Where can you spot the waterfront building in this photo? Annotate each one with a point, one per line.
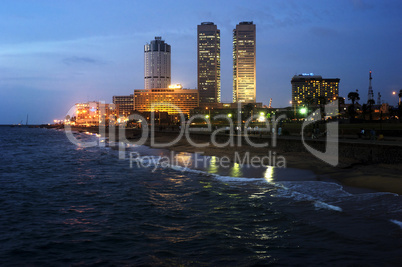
(209, 63)
(124, 104)
(244, 62)
(94, 113)
(157, 64)
(310, 89)
(166, 100)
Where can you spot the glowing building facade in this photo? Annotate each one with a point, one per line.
(209, 63)
(244, 63)
(157, 64)
(94, 113)
(309, 87)
(170, 100)
(124, 104)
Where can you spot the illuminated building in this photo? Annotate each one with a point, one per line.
(244, 65)
(92, 113)
(209, 62)
(124, 104)
(309, 87)
(165, 100)
(157, 64)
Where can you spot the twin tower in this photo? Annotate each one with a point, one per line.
(158, 70)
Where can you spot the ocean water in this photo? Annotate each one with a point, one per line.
(66, 205)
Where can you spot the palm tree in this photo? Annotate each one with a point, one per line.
(400, 96)
(353, 96)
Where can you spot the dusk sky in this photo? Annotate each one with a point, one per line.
(54, 54)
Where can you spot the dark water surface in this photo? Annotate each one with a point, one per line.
(66, 205)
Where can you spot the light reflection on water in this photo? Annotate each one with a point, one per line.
(269, 174)
(213, 165)
(236, 170)
(68, 206)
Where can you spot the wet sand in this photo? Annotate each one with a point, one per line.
(349, 172)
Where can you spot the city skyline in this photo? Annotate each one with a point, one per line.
(51, 61)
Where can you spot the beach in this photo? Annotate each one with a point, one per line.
(352, 172)
(363, 164)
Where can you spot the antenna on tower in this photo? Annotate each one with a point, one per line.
(270, 103)
(370, 90)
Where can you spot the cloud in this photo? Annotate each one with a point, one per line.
(82, 60)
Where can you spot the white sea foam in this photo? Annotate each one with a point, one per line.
(185, 169)
(302, 192)
(237, 179)
(315, 192)
(323, 205)
(216, 176)
(399, 223)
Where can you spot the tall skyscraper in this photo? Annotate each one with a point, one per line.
(244, 72)
(157, 64)
(209, 62)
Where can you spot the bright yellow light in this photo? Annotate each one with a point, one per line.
(269, 174)
(207, 116)
(262, 114)
(394, 93)
(229, 115)
(175, 86)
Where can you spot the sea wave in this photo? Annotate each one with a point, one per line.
(399, 223)
(323, 205)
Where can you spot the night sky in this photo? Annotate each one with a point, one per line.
(54, 54)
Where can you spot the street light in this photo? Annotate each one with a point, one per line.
(262, 117)
(396, 94)
(303, 111)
